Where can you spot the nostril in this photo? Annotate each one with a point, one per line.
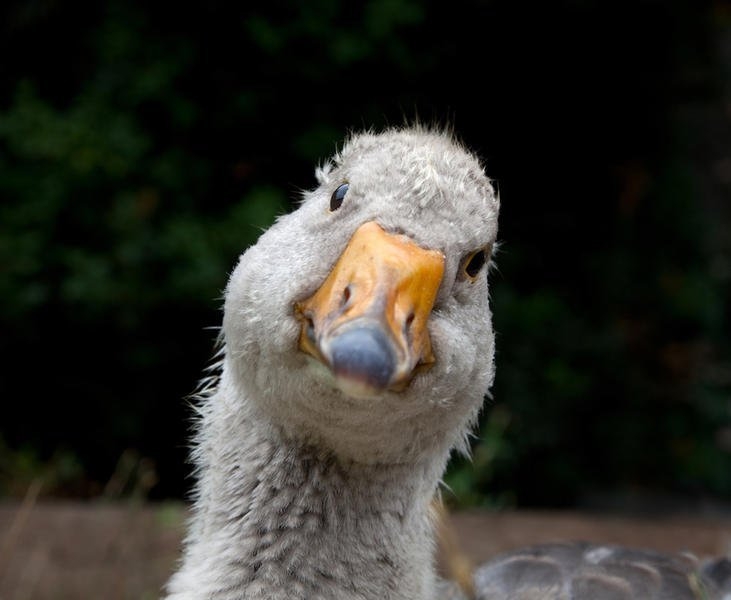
(407, 323)
(310, 328)
(346, 295)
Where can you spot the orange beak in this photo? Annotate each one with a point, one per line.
(368, 320)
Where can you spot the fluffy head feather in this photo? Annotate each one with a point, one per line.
(413, 181)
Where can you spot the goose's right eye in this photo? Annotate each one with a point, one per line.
(472, 263)
(338, 196)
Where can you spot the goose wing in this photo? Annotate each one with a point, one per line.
(582, 571)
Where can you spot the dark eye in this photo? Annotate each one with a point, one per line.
(338, 196)
(474, 262)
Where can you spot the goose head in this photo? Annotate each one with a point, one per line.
(360, 323)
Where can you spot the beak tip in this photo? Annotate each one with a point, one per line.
(362, 354)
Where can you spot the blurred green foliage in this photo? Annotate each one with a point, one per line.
(60, 475)
(142, 149)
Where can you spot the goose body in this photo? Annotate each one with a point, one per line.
(358, 348)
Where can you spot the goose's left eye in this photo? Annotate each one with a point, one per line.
(338, 196)
(473, 263)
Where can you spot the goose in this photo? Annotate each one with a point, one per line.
(357, 349)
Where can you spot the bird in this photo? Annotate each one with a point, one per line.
(356, 352)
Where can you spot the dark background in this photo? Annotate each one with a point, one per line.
(143, 146)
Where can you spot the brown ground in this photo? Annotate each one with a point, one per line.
(118, 551)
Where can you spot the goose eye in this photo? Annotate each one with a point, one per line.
(473, 263)
(338, 196)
